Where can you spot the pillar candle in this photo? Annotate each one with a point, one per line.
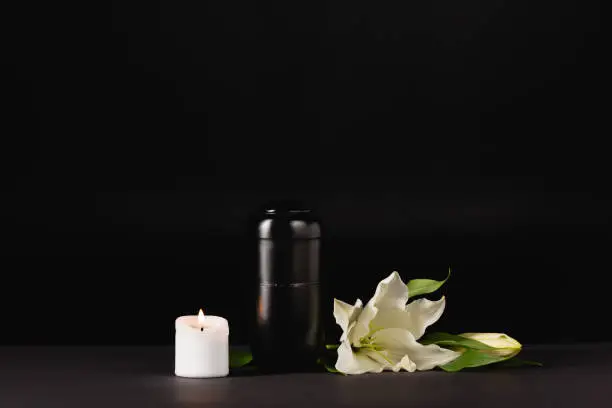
(201, 346)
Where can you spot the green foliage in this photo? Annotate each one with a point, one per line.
(517, 362)
(473, 353)
(328, 358)
(417, 287)
(453, 341)
(472, 358)
(240, 358)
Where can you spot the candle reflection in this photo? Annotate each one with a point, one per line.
(188, 392)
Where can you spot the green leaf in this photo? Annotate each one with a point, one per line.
(329, 367)
(328, 358)
(240, 358)
(517, 362)
(472, 358)
(453, 341)
(418, 287)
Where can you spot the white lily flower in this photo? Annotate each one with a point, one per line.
(504, 345)
(383, 334)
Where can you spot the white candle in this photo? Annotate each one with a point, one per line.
(201, 347)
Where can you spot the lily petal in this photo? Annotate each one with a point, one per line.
(391, 293)
(399, 343)
(346, 314)
(355, 363)
(497, 340)
(504, 345)
(417, 316)
(406, 363)
(361, 327)
(424, 313)
(382, 357)
(398, 319)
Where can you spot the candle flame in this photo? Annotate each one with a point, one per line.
(201, 317)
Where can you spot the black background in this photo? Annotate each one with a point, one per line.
(428, 134)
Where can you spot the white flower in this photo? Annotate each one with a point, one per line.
(504, 345)
(383, 334)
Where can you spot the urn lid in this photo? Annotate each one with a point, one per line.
(288, 220)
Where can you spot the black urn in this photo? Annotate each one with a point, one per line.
(286, 328)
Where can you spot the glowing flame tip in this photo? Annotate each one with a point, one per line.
(200, 316)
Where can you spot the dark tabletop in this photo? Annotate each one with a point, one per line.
(573, 376)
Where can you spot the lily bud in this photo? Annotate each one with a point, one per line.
(504, 345)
